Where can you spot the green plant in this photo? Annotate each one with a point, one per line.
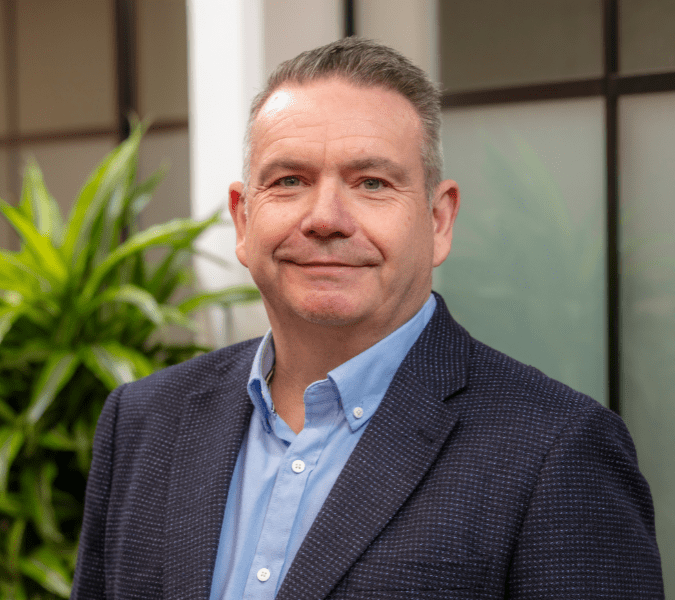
(81, 311)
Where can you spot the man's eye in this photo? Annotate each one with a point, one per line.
(373, 184)
(289, 181)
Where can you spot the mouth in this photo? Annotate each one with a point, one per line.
(327, 268)
(324, 264)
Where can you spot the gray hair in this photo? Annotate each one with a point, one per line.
(364, 63)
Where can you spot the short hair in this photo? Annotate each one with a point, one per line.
(364, 63)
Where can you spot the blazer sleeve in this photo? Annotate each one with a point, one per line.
(589, 528)
(89, 579)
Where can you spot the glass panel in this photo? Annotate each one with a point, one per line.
(526, 274)
(66, 165)
(646, 36)
(66, 64)
(493, 43)
(647, 143)
(162, 59)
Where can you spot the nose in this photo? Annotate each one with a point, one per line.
(328, 215)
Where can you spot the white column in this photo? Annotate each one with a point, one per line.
(225, 45)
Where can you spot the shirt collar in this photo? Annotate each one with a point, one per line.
(361, 381)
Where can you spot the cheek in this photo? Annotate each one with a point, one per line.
(266, 233)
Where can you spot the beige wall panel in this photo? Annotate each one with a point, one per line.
(3, 77)
(66, 64)
(646, 36)
(294, 26)
(162, 59)
(67, 165)
(409, 26)
(172, 197)
(493, 43)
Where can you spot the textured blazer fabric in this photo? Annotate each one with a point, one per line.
(477, 477)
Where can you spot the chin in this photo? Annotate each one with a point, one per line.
(329, 311)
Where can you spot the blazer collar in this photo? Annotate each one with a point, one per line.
(400, 444)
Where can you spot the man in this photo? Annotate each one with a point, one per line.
(367, 447)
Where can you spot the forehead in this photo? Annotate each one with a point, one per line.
(335, 115)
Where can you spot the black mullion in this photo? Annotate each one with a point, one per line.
(349, 26)
(125, 47)
(580, 88)
(611, 59)
(554, 90)
(645, 83)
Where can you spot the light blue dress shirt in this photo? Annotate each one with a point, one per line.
(281, 479)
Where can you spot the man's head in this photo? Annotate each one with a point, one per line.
(364, 63)
(338, 224)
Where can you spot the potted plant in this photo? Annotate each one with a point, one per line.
(81, 311)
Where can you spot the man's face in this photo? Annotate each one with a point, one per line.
(337, 230)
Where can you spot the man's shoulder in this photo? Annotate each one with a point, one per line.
(500, 393)
(228, 366)
(518, 402)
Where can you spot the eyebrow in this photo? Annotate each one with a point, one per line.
(283, 164)
(378, 163)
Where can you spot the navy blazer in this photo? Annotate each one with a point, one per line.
(477, 477)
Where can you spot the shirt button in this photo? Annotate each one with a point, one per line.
(263, 574)
(298, 466)
(358, 412)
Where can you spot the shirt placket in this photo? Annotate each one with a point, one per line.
(294, 469)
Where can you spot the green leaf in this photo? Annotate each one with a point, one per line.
(176, 233)
(142, 193)
(50, 259)
(37, 494)
(56, 373)
(225, 297)
(10, 444)
(38, 204)
(115, 364)
(46, 568)
(10, 504)
(8, 314)
(31, 351)
(112, 177)
(138, 297)
(83, 444)
(20, 277)
(57, 439)
(14, 543)
(6, 412)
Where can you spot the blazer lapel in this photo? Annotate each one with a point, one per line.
(396, 450)
(210, 434)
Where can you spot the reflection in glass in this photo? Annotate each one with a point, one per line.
(647, 143)
(526, 273)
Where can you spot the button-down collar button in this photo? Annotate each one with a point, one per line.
(358, 412)
(263, 574)
(298, 466)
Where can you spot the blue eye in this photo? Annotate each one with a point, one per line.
(372, 184)
(290, 181)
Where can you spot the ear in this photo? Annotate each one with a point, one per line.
(237, 205)
(445, 208)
